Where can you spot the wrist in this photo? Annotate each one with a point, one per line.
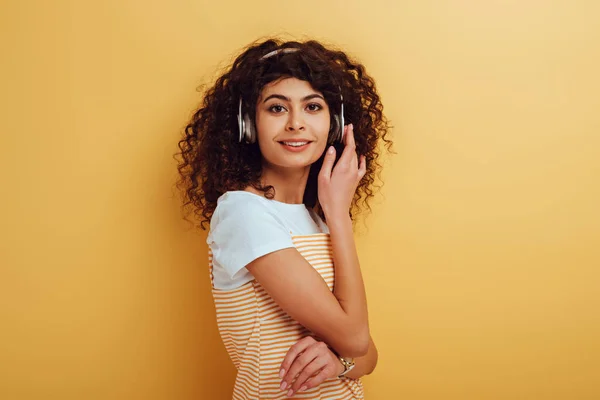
(338, 219)
(340, 368)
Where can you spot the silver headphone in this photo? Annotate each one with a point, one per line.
(248, 130)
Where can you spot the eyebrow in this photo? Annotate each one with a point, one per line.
(282, 97)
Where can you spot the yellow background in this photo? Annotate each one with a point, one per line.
(481, 256)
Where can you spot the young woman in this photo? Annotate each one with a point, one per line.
(279, 158)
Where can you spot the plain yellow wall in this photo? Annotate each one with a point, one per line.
(481, 257)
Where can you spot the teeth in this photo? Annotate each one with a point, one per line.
(295, 144)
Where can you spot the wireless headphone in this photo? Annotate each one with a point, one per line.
(248, 130)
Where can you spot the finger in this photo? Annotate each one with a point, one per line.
(299, 364)
(328, 162)
(350, 147)
(350, 138)
(300, 346)
(311, 369)
(362, 168)
(316, 380)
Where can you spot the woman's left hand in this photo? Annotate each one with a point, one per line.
(312, 362)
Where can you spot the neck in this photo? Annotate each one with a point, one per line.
(289, 183)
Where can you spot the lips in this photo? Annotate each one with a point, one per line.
(295, 145)
(297, 141)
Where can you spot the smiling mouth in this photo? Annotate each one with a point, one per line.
(295, 143)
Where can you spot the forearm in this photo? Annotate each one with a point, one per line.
(349, 287)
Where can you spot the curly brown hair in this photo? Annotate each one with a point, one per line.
(212, 161)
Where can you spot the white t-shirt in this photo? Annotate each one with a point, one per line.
(246, 226)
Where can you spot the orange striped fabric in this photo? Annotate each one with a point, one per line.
(257, 333)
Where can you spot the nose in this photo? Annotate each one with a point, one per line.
(295, 122)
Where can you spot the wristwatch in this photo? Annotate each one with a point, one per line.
(348, 364)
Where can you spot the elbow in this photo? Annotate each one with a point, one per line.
(374, 359)
(356, 345)
(361, 349)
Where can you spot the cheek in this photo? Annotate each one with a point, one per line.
(321, 146)
(321, 126)
(266, 128)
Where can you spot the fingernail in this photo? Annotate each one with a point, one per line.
(290, 392)
(303, 388)
(330, 150)
(281, 373)
(283, 385)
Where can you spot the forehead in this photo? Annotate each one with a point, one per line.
(290, 87)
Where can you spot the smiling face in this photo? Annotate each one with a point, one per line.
(292, 122)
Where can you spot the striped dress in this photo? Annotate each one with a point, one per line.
(257, 333)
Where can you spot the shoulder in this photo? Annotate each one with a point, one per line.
(241, 200)
(244, 227)
(243, 206)
(242, 213)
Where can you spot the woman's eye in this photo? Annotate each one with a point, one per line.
(314, 107)
(276, 108)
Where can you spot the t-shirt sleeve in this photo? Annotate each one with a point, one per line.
(242, 230)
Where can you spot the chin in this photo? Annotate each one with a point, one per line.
(296, 162)
(289, 164)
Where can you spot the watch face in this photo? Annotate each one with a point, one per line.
(349, 361)
(348, 364)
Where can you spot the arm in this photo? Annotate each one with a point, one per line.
(349, 287)
(303, 294)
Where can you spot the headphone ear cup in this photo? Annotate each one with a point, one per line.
(249, 130)
(335, 130)
(240, 121)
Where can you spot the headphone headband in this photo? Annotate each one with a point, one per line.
(282, 50)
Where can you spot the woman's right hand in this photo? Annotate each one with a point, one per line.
(337, 188)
